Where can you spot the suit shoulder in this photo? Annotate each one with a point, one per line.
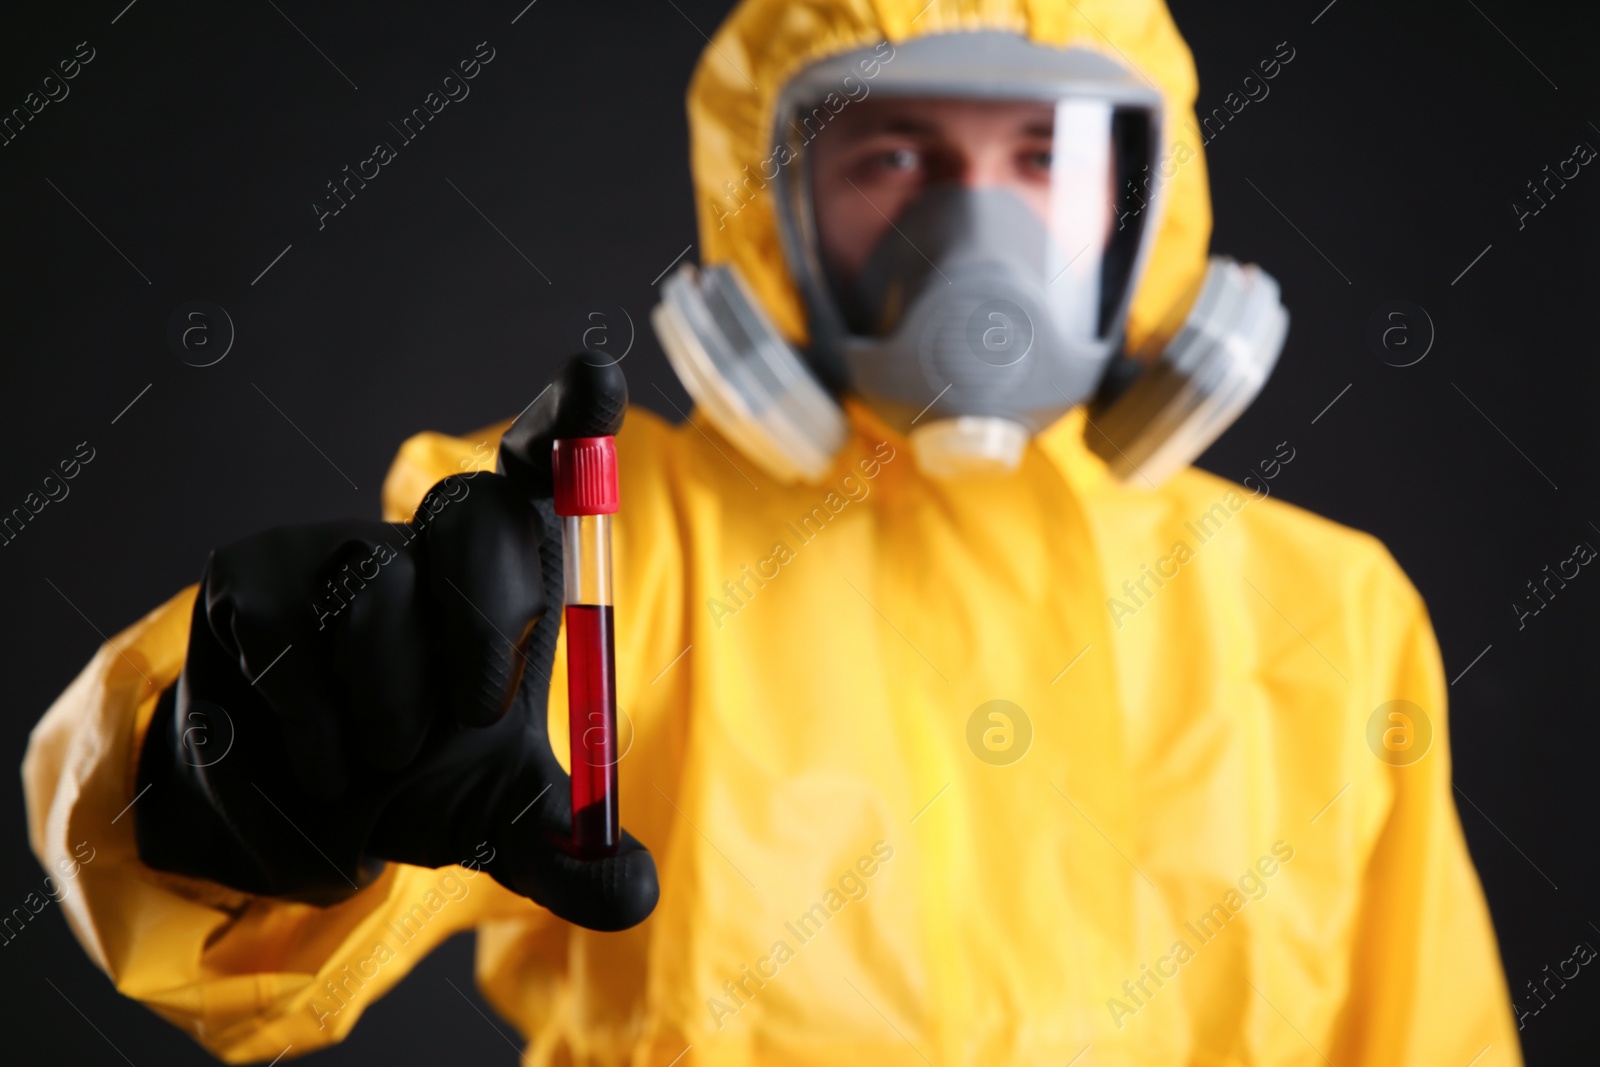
(1286, 543)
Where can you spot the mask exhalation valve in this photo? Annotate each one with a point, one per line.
(968, 445)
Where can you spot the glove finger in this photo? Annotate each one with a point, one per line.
(609, 893)
(530, 833)
(485, 579)
(588, 398)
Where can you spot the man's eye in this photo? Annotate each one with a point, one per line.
(898, 159)
(1037, 160)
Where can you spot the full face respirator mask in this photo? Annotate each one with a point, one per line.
(966, 246)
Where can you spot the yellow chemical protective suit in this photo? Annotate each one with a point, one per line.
(1197, 858)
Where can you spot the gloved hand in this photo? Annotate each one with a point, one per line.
(357, 692)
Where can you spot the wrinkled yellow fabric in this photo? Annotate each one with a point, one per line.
(814, 726)
(843, 878)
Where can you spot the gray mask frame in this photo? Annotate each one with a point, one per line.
(903, 374)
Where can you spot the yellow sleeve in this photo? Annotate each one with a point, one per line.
(1427, 985)
(246, 976)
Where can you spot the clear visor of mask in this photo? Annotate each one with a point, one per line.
(965, 216)
(1008, 211)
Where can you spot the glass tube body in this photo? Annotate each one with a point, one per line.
(591, 684)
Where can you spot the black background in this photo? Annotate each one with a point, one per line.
(200, 135)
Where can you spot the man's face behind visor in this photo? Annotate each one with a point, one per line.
(878, 156)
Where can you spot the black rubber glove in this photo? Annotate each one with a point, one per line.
(357, 692)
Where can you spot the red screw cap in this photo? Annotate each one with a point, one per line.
(585, 476)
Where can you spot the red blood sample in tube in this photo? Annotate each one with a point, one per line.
(586, 497)
(591, 719)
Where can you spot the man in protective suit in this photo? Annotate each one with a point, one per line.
(964, 721)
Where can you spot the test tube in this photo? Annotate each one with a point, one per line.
(585, 471)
